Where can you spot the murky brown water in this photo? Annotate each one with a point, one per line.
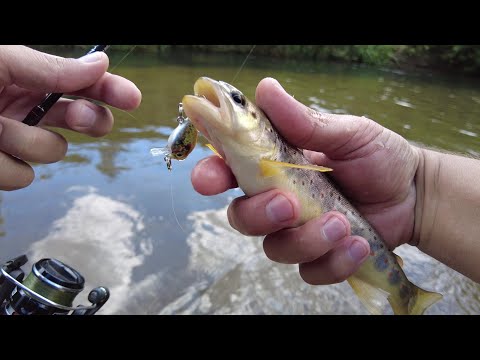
(118, 216)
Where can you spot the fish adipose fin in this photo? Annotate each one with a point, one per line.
(271, 167)
(374, 299)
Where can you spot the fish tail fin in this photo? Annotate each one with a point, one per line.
(421, 300)
(373, 298)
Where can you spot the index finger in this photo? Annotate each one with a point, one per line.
(113, 90)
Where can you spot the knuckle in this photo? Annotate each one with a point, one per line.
(300, 242)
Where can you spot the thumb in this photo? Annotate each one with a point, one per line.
(335, 135)
(38, 71)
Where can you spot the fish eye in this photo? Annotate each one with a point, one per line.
(238, 97)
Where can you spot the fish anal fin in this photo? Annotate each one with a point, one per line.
(273, 167)
(374, 299)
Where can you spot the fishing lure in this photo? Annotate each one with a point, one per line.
(181, 141)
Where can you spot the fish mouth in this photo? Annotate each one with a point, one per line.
(205, 109)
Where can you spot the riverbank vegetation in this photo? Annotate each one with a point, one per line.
(463, 59)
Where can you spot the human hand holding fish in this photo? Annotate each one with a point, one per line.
(383, 176)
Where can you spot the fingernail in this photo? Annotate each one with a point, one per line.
(279, 209)
(357, 250)
(86, 117)
(334, 229)
(90, 58)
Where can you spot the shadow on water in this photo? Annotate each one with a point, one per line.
(116, 214)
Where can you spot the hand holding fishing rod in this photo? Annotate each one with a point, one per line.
(39, 111)
(25, 76)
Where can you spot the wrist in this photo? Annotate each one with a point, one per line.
(426, 181)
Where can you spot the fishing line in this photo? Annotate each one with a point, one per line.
(111, 71)
(121, 60)
(173, 208)
(244, 61)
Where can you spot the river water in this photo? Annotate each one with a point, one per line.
(115, 213)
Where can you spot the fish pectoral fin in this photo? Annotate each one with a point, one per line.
(211, 147)
(273, 167)
(399, 260)
(374, 299)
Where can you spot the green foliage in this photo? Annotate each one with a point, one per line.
(458, 58)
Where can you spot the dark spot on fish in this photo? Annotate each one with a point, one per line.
(381, 262)
(338, 198)
(313, 196)
(404, 291)
(394, 277)
(254, 114)
(311, 182)
(370, 229)
(303, 183)
(271, 130)
(375, 237)
(331, 193)
(294, 182)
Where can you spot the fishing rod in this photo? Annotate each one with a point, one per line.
(39, 111)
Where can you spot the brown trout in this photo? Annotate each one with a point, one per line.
(262, 160)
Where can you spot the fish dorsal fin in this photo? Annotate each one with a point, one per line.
(399, 260)
(272, 167)
(211, 147)
(374, 299)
